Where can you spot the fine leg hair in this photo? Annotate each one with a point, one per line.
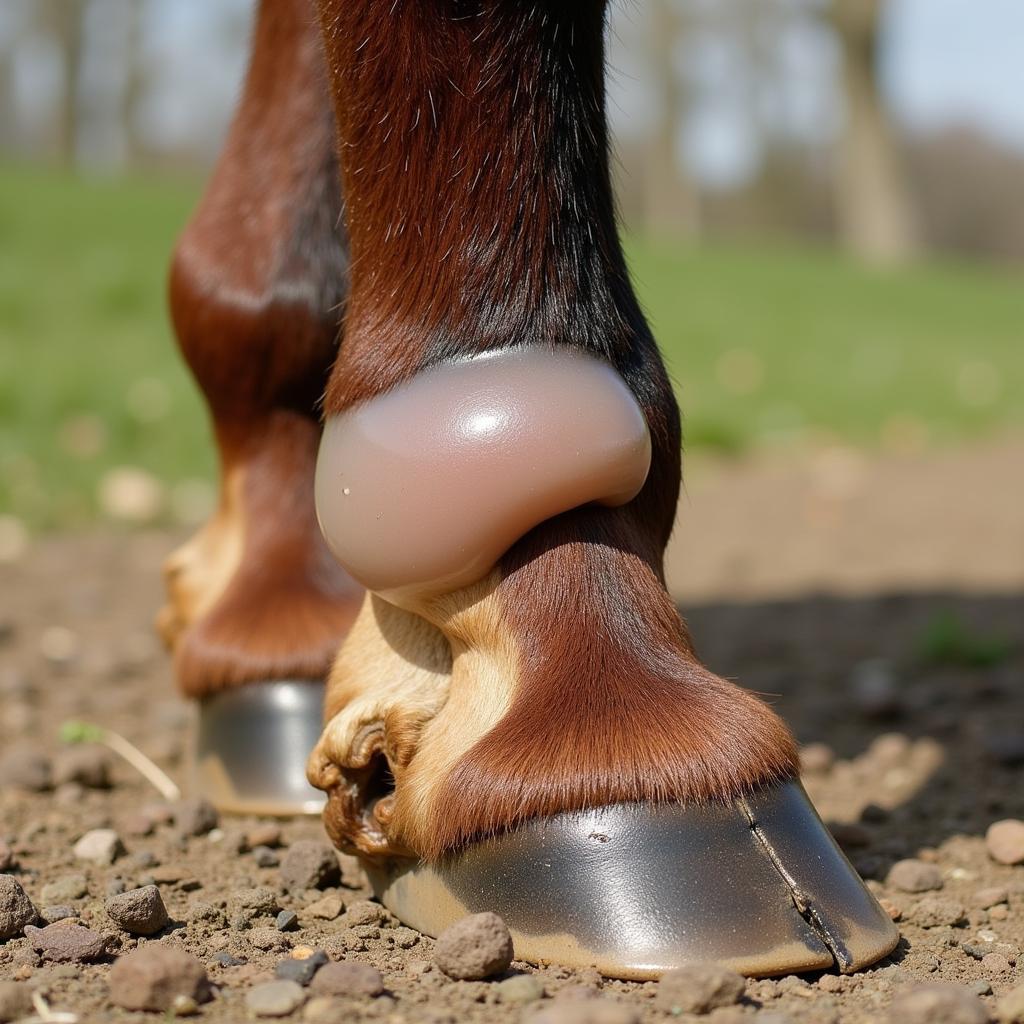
(473, 147)
(258, 280)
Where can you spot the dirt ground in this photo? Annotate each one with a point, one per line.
(895, 652)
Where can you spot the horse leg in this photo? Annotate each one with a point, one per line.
(257, 607)
(502, 427)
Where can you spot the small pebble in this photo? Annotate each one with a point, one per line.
(937, 1003)
(326, 909)
(1005, 841)
(153, 977)
(138, 911)
(7, 859)
(275, 998)
(309, 864)
(301, 971)
(474, 948)
(268, 835)
(99, 846)
(16, 909)
(519, 989)
(51, 915)
(227, 960)
(937, 911)
(995, 963)
(347, 978)
(65, 889)
(195, 817)
(286, 921)
(365, 912)
(68, 943)
(699, 988)
(265, 857)
(985, 899)
(914, 876)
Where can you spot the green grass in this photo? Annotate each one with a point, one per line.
(782, 343)
(768, 344)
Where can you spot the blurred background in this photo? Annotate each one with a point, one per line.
(823, 203)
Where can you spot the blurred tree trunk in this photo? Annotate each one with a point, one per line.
(671, 201)
(873, 202)
(62, 20)
(134, 80)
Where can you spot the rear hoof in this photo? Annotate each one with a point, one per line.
(251, 745)
(758, 885)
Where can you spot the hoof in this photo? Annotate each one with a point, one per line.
(758, 885)
(251, 747)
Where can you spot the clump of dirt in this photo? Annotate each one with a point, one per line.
(925, 752)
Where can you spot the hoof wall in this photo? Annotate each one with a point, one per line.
(758, 885)
(251, 747)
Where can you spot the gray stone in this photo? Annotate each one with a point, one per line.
(914, 876)
(301, 971)
(309, 864)
(195, 817)
(153, 977)
(478, 946)
(138, 911)
(275, 998)
(286, 921)
(699, 988)
(16, 909)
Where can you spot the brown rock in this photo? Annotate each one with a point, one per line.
(138, 911)
(326, 909)
(26, 768)
(937, 1003)
(476, 947)
(68, 943)
(347, 978)
(16, 909)
(1005, 841)
(152, 978)
(699, 988)
(985, 899)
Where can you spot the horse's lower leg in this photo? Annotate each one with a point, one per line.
(256, 285)
(473, 150)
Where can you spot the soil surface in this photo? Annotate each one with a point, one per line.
(908, 700)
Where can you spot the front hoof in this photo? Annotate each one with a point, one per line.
(757, 884)
(251, 746)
